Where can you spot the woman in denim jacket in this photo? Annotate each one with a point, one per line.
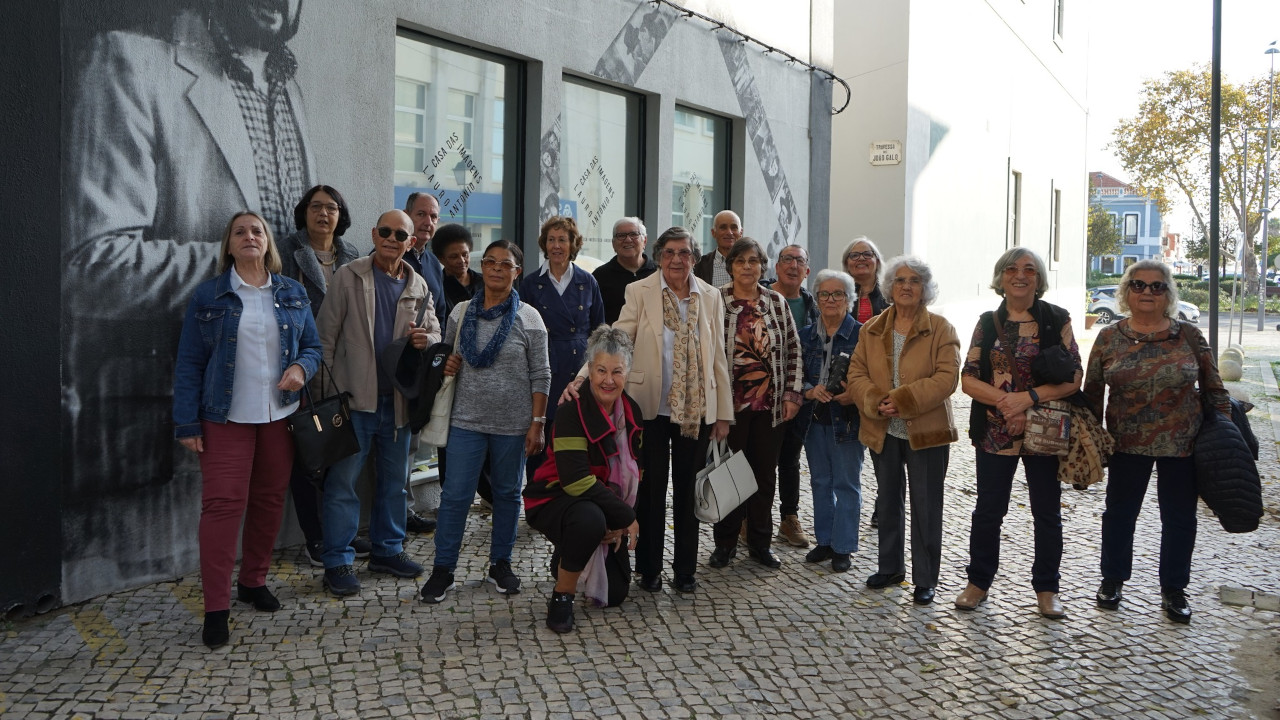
(830, 428)
(248, 345)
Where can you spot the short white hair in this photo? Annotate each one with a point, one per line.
(850, 287)
(917, 266)
(631, 221)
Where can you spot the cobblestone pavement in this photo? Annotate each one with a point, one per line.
(799, 642)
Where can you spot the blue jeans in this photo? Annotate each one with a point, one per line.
(1127, 478)
(467, 453)
(835, 471)
(341, 506)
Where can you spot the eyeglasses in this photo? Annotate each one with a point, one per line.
(1157, 287)
(1012, 270)
(626, 236)
(748, 261)
(329, 208)
(503, 264)
(789, 259)
(668, 253)
(385, 232)
(831, 295)
(864, 255)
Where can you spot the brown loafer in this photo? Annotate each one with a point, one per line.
(971, 598)
(1050, 606)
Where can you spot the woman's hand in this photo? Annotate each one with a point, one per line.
(533, 441)
(452, 365)
(417, 336)
(1016, 425)
(194, 444)
(819, 393)
(293, 379)
(1014, 404)
(570, 391)
(720, 430)
(627, 535)
(789, 410)
(633, 534)
(887, 407)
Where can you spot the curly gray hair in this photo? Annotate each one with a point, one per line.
(917, 266)
(610, 341)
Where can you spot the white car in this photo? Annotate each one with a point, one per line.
(1102, 302)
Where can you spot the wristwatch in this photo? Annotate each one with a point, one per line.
(540, 419)
(1035, 397)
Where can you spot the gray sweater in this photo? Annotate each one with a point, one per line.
(498, 400)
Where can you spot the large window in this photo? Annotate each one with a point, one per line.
(453, 126)
(601, 142)
(699, 172)
(1130, 232)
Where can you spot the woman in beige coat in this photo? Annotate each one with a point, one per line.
(904, 369)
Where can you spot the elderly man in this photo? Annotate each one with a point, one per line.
(628, 265)
(726, 228)
(793, 268)
(371, 302)
(424, 210)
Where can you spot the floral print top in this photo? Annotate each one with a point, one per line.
(751, 348)
(1153, 405)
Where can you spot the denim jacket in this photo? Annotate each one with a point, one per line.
(206, 364)
(844, 418)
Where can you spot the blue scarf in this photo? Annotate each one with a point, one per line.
(471, 323)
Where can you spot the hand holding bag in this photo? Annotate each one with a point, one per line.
(322, 431)
(1048, 430)
(724, 484)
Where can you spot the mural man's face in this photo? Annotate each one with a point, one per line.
(261, 24)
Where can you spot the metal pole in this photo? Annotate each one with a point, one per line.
(1266, 184)
(1215, 142)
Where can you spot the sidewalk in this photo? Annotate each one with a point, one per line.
(799, 642)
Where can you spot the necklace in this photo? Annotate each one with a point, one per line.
(1137, 336)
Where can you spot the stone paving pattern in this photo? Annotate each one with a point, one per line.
(800, 642)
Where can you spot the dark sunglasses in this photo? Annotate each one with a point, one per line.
(385, 232)
(1157, 287)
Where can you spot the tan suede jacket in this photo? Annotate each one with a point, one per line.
(929, 370)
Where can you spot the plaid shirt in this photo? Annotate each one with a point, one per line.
(278, 161)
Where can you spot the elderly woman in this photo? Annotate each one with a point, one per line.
(311, 256)
(248, 345)
(582, 497)
(862, 260)
(1151, 364)
(499, 409)
(1006, 375)
(904, 370)
(830, 429)
(569, 301)
(764, 358)
(680, 379)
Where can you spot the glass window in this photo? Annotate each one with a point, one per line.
(600, 174)
(699, 173)
(1130, 233)
(451, 132)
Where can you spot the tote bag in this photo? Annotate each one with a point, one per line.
(724, 484)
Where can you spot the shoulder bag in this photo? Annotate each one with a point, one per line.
(1048, 430)
(724, 484)
(322, 431)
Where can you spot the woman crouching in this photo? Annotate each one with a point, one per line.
(583, 495)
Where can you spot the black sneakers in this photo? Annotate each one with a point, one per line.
(438, 585)
(502, 578)
(560, 612)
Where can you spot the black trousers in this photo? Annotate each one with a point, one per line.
(666, 449)
(923, 471)
(789, 469)
(576, 527)
(995, 484)
(753, 433)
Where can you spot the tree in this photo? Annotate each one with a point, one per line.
(1104, 236)
(1165, 150)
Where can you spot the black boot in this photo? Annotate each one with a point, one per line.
(560, 612)
(215, 632)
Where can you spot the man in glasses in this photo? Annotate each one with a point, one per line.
(793, 269)
(726, 228)
(628, 265)
(371, 302)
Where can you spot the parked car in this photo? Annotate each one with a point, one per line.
(1102, 302)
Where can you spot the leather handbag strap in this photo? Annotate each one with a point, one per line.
(1013, 366)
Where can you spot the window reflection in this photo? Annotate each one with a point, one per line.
(699, 172)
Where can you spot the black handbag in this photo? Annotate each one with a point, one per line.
(322, 431)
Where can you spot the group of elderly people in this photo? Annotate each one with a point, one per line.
(684, 364)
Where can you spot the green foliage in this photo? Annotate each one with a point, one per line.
(1104, 236)
(1097, 277)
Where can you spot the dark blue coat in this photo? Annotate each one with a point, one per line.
(570, 318)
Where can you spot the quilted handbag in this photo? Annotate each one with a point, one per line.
(322, 431)
(724, 484)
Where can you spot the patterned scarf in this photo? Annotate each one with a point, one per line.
(685, 397)
(624, 481)
(471, 323)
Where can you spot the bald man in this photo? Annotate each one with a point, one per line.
(370, 302)
(726, 229)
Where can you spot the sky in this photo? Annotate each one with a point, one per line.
(1134, 40)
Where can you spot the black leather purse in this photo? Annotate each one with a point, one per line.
(322, 431)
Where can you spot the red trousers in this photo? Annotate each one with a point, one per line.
(245, 470)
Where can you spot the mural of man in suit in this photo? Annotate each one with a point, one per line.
(167, 137)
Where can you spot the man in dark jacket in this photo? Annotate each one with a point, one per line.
(726, 228)
(628, 265)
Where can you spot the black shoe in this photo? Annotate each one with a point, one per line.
(261, 597)
(1174, 602)
(880, 580)
(361, 546)
(560, 612)
(818, 554)
(922, 595)
(438, 585)
(415, 523)
(685, 583)
(840, 562)
(315, 554)
(215, 632)
(766, 558)
(400, 565)
(652, 583)
(720, 557)
(875, 518)
(1108, 594)
(503, 578)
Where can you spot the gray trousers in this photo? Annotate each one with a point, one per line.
(897, 465)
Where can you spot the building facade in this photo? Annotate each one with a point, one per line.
(140, 134)
(1137, 219)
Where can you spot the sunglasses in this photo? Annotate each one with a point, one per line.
(385, 232)
(1157, 287)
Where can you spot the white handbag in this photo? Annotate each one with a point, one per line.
(436, 431)
(724, 484)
